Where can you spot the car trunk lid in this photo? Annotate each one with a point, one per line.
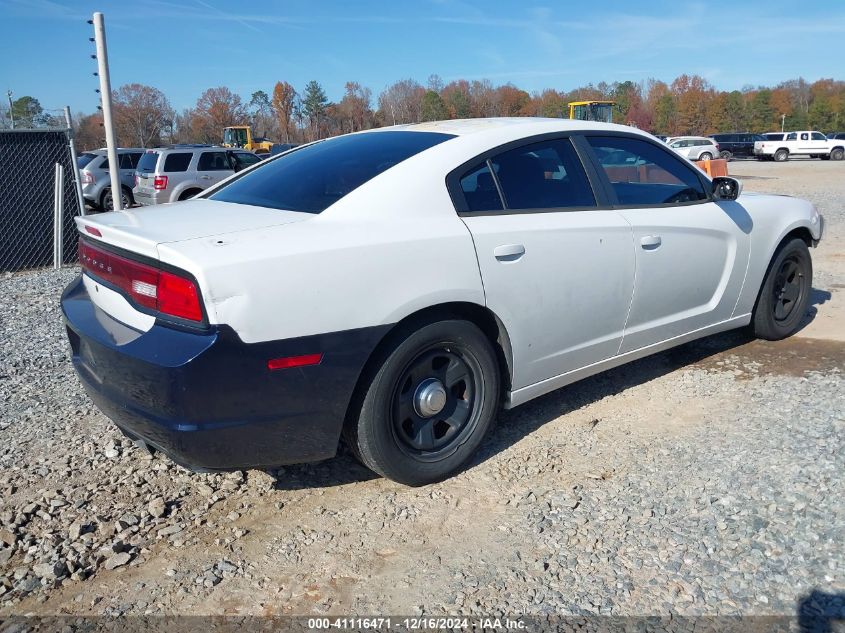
(142, 230)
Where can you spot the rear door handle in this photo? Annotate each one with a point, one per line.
(509, 252)
(650, 242)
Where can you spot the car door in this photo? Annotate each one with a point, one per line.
(557, 271)
(691, 252)
(819, 143)
(212, 167)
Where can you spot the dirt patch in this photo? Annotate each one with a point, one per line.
(794, 356)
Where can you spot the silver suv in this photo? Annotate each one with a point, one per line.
(95, 179)
(694, 147)
(179, 172)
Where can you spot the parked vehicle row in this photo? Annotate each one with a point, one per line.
(153, 176)
(509, 257)
(778, 146)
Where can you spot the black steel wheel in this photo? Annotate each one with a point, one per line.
(433, 397)
(785, 294)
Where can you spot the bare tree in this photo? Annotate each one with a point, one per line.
(141, 114)
(402, 102)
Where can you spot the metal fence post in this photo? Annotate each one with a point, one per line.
(58, 217)
(74, 164)
(105, 96)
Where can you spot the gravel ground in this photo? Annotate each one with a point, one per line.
(705, 480)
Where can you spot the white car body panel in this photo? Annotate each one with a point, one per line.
(584, 297)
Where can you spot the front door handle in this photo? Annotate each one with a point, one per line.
(650, 242)
(509, 252)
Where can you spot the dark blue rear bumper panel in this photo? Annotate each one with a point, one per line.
(206, 398)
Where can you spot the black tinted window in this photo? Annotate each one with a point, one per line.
(177, 162)
(242, 159)
(544, 175)
(147, 162)
(642, 174)
(129, 161)
(214, 161)
(314, 177)
(480, 190)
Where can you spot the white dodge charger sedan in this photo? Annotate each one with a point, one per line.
(396, 287)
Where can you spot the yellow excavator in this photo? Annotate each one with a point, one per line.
(241, 136)
(601, 111)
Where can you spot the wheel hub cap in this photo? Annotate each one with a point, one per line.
(429, 398)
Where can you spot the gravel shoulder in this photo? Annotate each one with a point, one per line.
(704, 480)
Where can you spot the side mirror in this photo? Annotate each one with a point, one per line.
(725, 188)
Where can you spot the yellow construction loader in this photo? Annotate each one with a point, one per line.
(241, 136)
(601, 111)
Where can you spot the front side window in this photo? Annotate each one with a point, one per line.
(545, 175)
(242, 160)
(818, 136)
(642, 174)
(177, 162)
(213, 161)
(313, 178)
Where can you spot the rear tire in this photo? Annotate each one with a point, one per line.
(431, 402)
(781, 155)
(725, 154)
(107, 204)
(837, 154)
(785, 293)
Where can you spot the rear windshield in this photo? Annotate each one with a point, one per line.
(313, 178)
(148, 161)
(84, 159)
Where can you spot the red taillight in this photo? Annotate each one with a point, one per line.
(150, 287)
(136, 179)
(159, 183)
(288, 362)
(93, 231)
(87, 178)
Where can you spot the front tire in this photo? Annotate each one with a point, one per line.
(785, 293)
(432, 400)
(726, 155)
(706, 156)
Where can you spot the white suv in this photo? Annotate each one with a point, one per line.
(694, 147)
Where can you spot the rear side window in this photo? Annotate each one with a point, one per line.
(642, 174)
(480, 191)
(129, 161)
(314, 177)
(177, 162)
(148, 161)
(792, 136)
(213, 161)
(545, 175)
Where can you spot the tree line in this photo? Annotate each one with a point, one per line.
(144, 117)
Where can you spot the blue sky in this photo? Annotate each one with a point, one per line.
(186, 46)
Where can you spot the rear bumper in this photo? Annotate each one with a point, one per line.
(207, 399)
(147, 197)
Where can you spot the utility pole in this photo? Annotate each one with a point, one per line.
(105, 96)
(11, 111)
(782, 122)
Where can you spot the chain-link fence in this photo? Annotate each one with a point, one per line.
(27, 179)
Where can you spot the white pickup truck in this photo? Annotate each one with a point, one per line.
(808, 143)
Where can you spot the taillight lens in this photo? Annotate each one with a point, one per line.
(87, 178)
(160, 290)
(136, 180)
(159, 183)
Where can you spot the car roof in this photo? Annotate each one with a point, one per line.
(518, 125)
